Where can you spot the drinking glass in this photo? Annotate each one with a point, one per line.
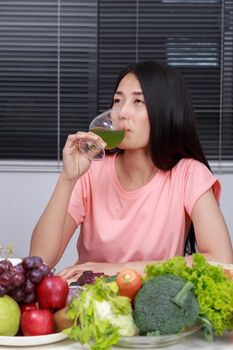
(109, 127)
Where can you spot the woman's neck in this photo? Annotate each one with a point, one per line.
(134, 169)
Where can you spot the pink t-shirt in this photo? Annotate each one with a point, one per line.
(150, 223)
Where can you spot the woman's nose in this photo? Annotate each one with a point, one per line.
(123, 113)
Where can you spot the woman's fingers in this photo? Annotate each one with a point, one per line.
(72, 272)
(75, 138)
(75, 271)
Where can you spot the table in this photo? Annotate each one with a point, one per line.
(194, 342)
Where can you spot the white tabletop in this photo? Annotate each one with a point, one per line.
(193, 342)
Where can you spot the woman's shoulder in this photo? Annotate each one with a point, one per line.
(195, 173)
(190, 165)
(188, 169)
(195, 178)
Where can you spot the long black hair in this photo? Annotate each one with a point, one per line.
(173, 129)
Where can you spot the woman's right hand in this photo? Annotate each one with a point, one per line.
(75, 164)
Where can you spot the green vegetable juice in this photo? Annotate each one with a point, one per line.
(112, 137)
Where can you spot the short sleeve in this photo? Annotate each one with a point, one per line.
(198, 180)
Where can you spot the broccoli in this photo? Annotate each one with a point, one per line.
(165, 305)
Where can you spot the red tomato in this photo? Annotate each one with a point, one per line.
(129, 282)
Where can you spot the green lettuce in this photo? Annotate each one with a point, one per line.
(100, 316)
(214, 291)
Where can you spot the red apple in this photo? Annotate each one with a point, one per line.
(52, 293)
(37, 322)
(27, 307)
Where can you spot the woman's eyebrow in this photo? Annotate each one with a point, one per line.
(137, 93)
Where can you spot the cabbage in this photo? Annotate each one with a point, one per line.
(100, 316)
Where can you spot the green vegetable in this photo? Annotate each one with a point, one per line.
(165, 305)
(111, 278)
(214, 291)
(100, 316)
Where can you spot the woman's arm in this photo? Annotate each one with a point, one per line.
(55, 227)
(212, 236)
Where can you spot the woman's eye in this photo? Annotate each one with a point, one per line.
(139, 101)
(116, 100)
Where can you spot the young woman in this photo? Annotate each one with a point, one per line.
(153, 199)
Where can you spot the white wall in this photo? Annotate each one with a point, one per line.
(226, 200)
(23, 197)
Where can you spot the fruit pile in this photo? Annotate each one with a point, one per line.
(30, 297)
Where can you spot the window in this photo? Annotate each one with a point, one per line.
(189, 52)
(59, 61)
(48, 69)
(196, 37)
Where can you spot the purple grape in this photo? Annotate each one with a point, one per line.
(5, 279)
(9, 288)
(5, 265)
(30, 298)
(35, 276)
(44, 268)
(87, 277)
(18, 279)
(3, 291)
(18, 294)
(31, 262)
(2, 267)
(18, 268)
(28, 287)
